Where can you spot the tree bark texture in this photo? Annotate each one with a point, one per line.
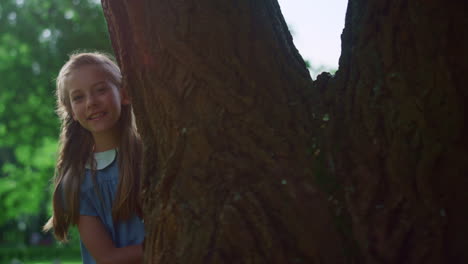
(219, 96)
(248, 161)
(396, 136)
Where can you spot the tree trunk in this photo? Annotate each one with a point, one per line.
(247, 161)
(396, 130)
(218, 91)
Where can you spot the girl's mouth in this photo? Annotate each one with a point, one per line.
(96, 116)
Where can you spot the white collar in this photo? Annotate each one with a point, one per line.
(103, 159)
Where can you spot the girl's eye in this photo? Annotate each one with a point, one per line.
(102, 89)
(77, 97)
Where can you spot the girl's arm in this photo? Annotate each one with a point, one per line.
(100, 245)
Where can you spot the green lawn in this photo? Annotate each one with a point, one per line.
(51, 262)
(40, 255)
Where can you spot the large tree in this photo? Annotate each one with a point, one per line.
(249, 161)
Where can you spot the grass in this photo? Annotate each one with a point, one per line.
(78, 261)
(40, 255)
(42, 261)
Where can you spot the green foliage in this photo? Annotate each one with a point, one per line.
(36, 37)
(23, 184)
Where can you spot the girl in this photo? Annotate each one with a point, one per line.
(97, 173)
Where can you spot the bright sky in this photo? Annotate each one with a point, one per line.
(316, 26)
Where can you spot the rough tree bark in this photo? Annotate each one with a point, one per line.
(396, 135)
(248, 161)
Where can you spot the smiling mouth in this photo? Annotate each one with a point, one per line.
(96, 116)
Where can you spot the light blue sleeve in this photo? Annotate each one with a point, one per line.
(86, 205)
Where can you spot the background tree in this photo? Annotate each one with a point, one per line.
(396, 136)
(228, 111)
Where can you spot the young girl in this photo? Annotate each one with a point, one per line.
(97, 173)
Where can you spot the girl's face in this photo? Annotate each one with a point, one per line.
(95, 101)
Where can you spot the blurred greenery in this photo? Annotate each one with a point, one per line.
(36, 37)
(39, 254)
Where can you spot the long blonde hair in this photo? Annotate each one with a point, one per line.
(76, 148)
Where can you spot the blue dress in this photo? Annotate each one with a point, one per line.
(123, 233)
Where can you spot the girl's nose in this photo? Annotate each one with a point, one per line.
(92, 101)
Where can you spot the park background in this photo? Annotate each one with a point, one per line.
(36, 37)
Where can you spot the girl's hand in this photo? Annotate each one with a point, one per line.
(100, 245)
